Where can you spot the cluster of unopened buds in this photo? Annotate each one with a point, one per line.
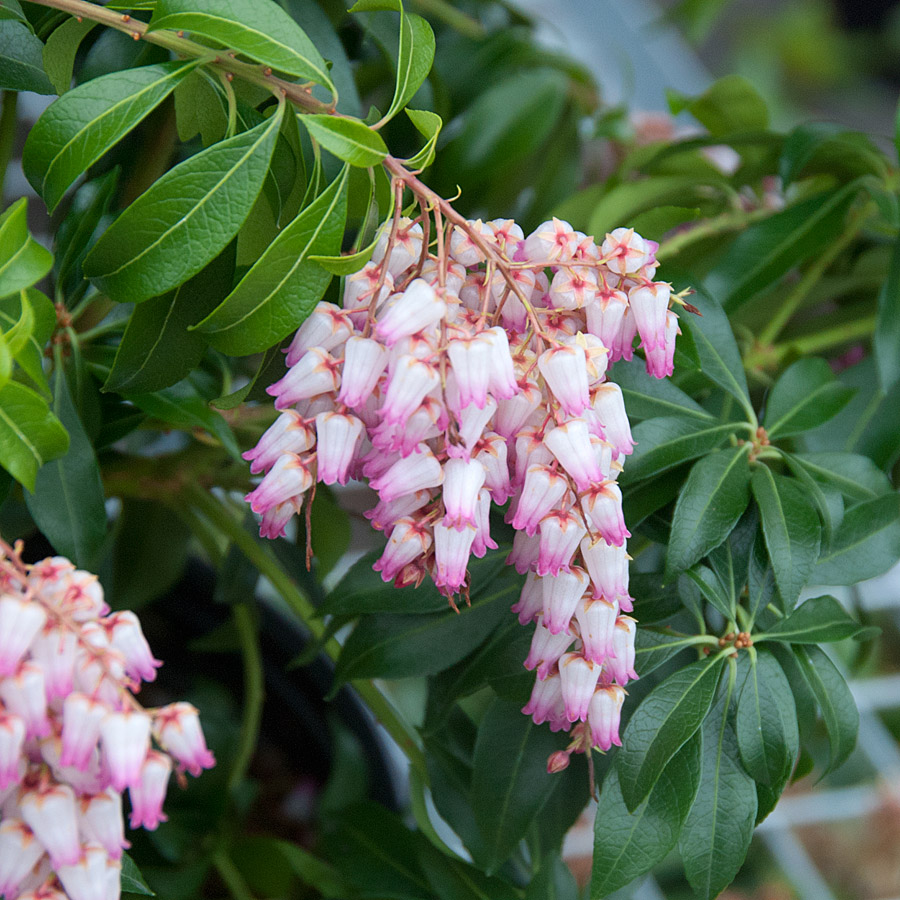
(477, 374)
(73, 737)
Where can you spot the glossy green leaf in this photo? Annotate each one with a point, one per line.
(826, 148)
(68, 503)
(311, 870)
(21, 63)
(269, 370)
(415, 54)
(510, 781)
(23, 261)
(886, 336)
(200, 204)
(653, 648)
(731, 104)
(710, 503)
(867, 543)
(347, 139)
(804, 397)
(17, 335)
(712, 590)
(429, 125)
(760, 578)
(30, 434)
(259, 29)
(628, 844)
(60, 49)
(835, 701)
(791, 527)
(717, 832)
(647, 397)
(662, 444)
(132, 880)
(83, 124)
(200, 108)
(157, 349)
(43, 315)
(766, 722)
(827, 499)
(854, 475)
(6, 361)
(12, 9)
(453, 879)
(284, 285)
(666, 719)
(816, 621)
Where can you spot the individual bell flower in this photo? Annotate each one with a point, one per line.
(364, 361)
(571, 444)
(410, 539)
(316, 372)
(471, 360)
(360, 288)
(602, 505)
(462, 483)
(596, 623)
(542, 491)
(649, 304)
(407, 386)
(24, 694)
(289, 478)
(660, 360)
(546, 649)
(274, 520)
(483, 540)
(100, 821)
(406, 248)
(49, 811)
(625, 251)
(621, 664)
(573, 287)
(289, 433)
(20, 622)
(605, 319)
(385, 514)
(546, 703)
(561, 532)
(609, 405)
(415, 309)
(463, 249)
(12, 740)
(20, 851)
(125, 740)
(525, 551)
(149, 791)
(127, 636)
(54, 650)
(565, 370)
(550, 241)
(473, 422)
(531, 600)
(177, 728)
(507, 234)
(492, 453)
(607, 565)
(579, 678)
(604, 713)
(452, 547)
(90, 876)
(561, 596)
(337, 437)
(416, 472)
(531, 450)
(502, 382)
(327, 326)
(514, 412)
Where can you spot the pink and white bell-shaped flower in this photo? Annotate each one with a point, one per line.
(607, 565)
(90, 876)
(274, 521)
(514, 412)
(530, 450)
(609, 405)
(605, 319)
(466, 251)
(149, 792)
(649, 304)
(54, 651)
(82, 716)
(561, 532)
(562, 595)
(83, 599)
(125, 740)
(177, 728)
(414, 310)
(542, 492)
(360, 288)
(472, 424)
(416, 472)
(551, 241)
(462, 483)
(604, 714)
(625, 251)
(24, 694)
(127, 636)
(565, 370)
(406, 248)
(571, 444)
(409, 540)
(316, 372)
(579, 678)
(337, 438)
(327, 326)
(546, 649)
(506, 233)
(471, 359)
(502, 381)
(364, 361)
(621, 665)
(385, 515)
(531, 600)
(660, 360)
(452, 547)
(491, 452)
(602, 505)
(100, 821)
(483, 540)
(546, 703)
(12, 741)
(596, 624)
(289, 433)
(20, 851)
(289, 478)
(20, 622)
(573, 287)
(407, 386)
(525, 551)
(49, 811)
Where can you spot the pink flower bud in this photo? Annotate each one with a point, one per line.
(546, 703)
(573, 288)
(50, 813)
(364, 361)
(596, 623)
(579, 678)
(409, 540)
(561, 533)
(316, 372)
(288, 479)
(177, 727)
(565, 371)
(327, 326)
(604, 712)
(557, 762)
(406, 248)
(561, 597)
(338, 436)
(602, 506)
(20, 622)
(127, 636)
(625, 251)
(621, 665)
(550, 241)
(451, 556)
(462, 483)
(506, 233)
(360, 287)
(462, 247)
(19, 852)
(287, 434)
(149, 792)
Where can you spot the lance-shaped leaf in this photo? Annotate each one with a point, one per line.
(21, 63)
(23, 261)
(647, 397)
(348, 139)
(259, 29)
(766, 722)
(653, 648)
(760, 578)
(185, 219)
(716, 835)
(30, 434)
(414, 58)
(429, 125)
(715, 593)
(60, 50)
(6, 361)
(284, 285)
(816, 621)
(805, 396)
(710, 504)
(791, 527)
(30, 356)
(68, 503)
(854, 475)
(886, 337)
(83, 124)
(668, 716)
(628, 844)
(662, 444)
(510, 781)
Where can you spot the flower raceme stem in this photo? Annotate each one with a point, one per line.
(73, 737)
(473, 376)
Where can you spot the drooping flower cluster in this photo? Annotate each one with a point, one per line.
(478, 374)
(73, 737)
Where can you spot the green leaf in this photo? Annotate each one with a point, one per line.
(732, 104)
(200, 109)
(23, 261)
(666, 719)
(766, 723)
(60, 49)
(12, 9)
(311, 870)
(6, 361)
(711, 502)
(397, 646)
(628, 844)
(653, 648)
(791, 527)
(259, 29)
(21, 65)
(886, 337)
(43, 314)
(415, 54)
(854, 475)
(510, 782)
(712, 589)
(867, 543)
(348, 139)
(270, 369)
(805, 396)
(647, 397)
(554, 881)
(717, 832)
(29, 433)
(827, 148)
(200, 204)
(835, 701)
(346, 265)
(68, 503)
(453, 879)
(157, 349)
(283, 286)
(662, 444)
(827, 499)
(720, 359)
(132, 880)
(86, 122)
(816, 621)
(767, 250)
(429, 125)
(760, 579)
(17, 336)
